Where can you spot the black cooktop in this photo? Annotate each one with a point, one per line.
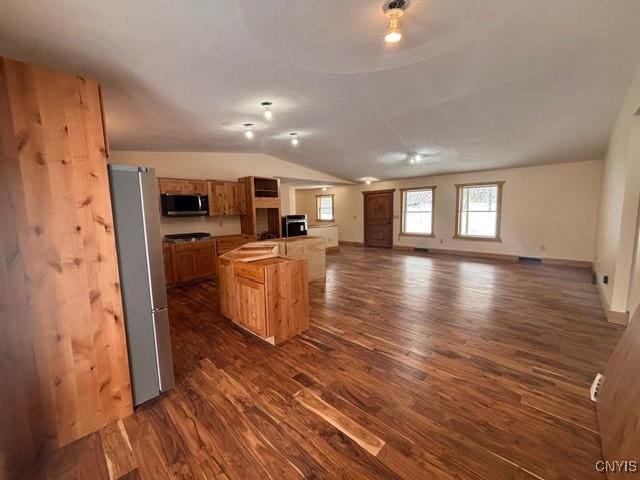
(186, 236)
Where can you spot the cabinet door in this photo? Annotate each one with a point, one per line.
(171, 185)
(251, 306)
(205, 260)
(185, 265)
(238, 199)
(168, 265)
(217, 205)
(196, 186)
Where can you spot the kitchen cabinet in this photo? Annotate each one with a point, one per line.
(190, 261)
(177, 186)
(167, 256)
(329, 232)
(268, 297)
(226, 198)
(262, 197)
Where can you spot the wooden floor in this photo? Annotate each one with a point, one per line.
(415, 367)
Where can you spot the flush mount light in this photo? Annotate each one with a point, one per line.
(268, 113)
(368, 181)
(248, 130)
(415, 158)
(324, 189)
(294, 139)
(393, 10)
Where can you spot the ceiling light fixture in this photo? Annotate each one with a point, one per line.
(394, 9)
(324, 189)
(268, 113)
(294, 139)
(415, 158)
(248, 130)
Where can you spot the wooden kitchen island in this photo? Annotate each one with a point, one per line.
(264, 292)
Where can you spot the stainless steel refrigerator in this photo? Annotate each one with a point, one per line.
(134, 196)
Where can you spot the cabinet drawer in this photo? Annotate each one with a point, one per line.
(250, 271)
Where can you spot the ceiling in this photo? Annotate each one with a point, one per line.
(480, 85)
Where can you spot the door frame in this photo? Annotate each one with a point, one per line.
(390, 191)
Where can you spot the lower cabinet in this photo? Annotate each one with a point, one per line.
(188, 262)
(269, 298)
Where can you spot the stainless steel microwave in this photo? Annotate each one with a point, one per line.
(184, 205)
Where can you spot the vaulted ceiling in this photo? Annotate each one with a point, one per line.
(472, 85)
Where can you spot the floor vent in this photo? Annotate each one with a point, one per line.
(595, 387)
(529, 260)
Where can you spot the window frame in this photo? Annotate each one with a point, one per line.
(333, 207)
(459, 189)
(403, 211)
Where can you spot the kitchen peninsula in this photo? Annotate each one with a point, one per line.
(263, 291)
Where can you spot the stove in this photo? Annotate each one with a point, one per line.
(187, 237)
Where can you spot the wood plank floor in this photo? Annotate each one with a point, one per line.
(415, 366)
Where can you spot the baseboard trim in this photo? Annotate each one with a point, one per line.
(351, 244)
(464, 253)
(403, 248)
(615, 317)
(568, 263)
(332, 249)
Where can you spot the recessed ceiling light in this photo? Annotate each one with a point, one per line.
(324, 189)
(268, 113)
(294, 139)
(248, 130)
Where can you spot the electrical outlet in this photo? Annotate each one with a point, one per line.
(441, 241)
(605, 279)
(543, 248)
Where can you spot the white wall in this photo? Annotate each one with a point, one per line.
(219, 166)
(618, 217)
(550, 206)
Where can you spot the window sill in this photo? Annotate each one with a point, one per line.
(477, 239)
(325, 221)
(423, 235)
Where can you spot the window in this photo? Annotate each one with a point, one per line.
(478, 211)
(417, 211)
(324, 208)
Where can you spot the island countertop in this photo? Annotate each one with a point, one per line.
(264, 292)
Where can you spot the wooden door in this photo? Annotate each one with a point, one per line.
(378, 218)
(185, 264)
(251, 305)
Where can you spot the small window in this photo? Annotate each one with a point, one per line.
(478, 211)
(417, 211)
(324, 208)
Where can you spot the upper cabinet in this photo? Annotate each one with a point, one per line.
(177, 186)
(227, 198)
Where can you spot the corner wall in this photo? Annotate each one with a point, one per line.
(551, 206)
(616, 254)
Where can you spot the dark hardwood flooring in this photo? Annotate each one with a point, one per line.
(415, 367)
